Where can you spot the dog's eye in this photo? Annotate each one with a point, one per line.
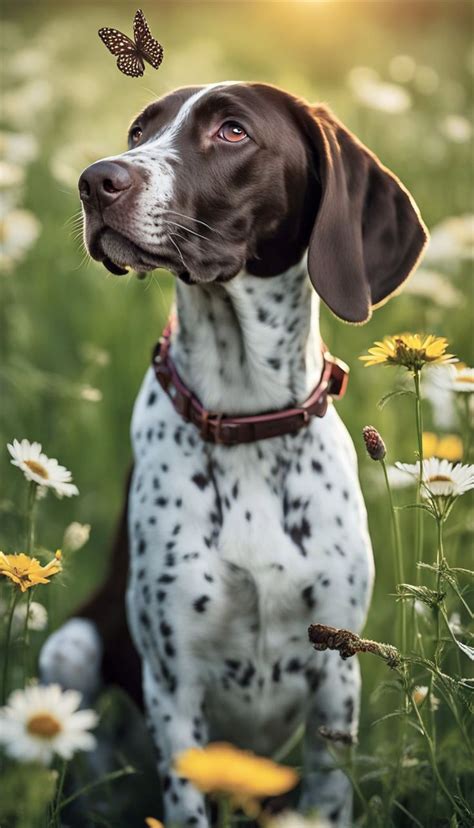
(232, 132)
(135, 134)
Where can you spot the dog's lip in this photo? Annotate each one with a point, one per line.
(117, 270)
(143, 259)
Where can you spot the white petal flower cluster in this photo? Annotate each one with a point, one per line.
(40, 722)
(440, 477)
(42, 470)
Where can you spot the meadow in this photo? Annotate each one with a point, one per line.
(75, 341)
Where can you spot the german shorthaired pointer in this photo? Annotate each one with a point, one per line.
(251, 197)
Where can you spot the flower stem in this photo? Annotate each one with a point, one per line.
(419, 431)
(30, 548)
(439, 559)
(7, 645)
(467, 415)
(30, 518)
(109, 777)
(25, 641)
(434, 765)
(59, 794)
(223, 820)
(399, 568)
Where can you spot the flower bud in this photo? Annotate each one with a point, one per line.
(76, 535)
(374, 444)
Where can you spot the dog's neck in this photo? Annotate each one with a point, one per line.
(250, 345)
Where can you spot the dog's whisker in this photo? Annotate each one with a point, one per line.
(75, 218)
(155, 281)
(177, 248)
(190, 218)
(188, 229)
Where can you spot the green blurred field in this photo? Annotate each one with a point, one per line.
(56, 307)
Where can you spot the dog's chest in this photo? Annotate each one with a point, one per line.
(243, 548)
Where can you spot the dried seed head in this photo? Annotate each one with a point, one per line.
(374, 444)
(349, 644)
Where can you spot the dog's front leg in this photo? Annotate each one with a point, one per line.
(335, 710)
(176, 722)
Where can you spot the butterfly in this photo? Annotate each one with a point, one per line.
(131, 56)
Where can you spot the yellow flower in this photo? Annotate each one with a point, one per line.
(26, 572)
(222, 768)
(448, 447)
(410, 350)
(153, 823)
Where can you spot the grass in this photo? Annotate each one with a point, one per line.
(61, 316)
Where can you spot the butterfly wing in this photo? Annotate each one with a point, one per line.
(116, 42)
(129, 60)
(147, 46)
(131, 63)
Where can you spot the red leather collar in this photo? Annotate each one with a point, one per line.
(230, 431)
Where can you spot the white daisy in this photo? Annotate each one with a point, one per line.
(399, 479)
(457, 128)
(19, 231)
(462, 379)
(39, 722)
(458, 378)
(436, 387)
(43, 470)
(436, 288)
(37, 616)
(452, 238)
(374, 93)
(420, 694)
(18, 147)
(441, 478)
(76, 535)
(290, 819)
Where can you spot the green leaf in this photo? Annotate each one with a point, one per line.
(400, 392)
(465, 648)
(415, 506)
(397, 714)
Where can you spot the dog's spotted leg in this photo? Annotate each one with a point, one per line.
(335, 710)
(176, 722)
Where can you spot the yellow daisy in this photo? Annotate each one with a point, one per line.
(27, 572)
(409, 350)
(448, 447)
(222, 768)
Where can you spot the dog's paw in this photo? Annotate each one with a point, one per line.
(72, 656)
(329, 794)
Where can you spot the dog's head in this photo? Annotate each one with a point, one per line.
(243, 175)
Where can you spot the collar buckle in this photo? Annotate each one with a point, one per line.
(339, 377)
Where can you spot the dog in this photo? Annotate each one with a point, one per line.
(261, 205)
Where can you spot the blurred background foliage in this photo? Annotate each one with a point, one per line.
(75, 341)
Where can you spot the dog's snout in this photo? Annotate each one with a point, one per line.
(104, 182)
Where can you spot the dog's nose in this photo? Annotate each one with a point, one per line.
(104, 182)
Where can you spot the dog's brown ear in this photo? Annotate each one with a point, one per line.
(368, 234)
